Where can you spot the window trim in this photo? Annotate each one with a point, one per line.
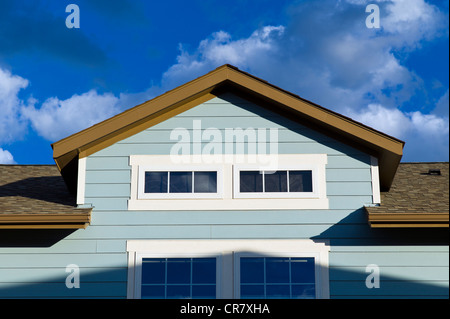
(141, 255)
(315, 183)
(227, 201)
(317, 267)
(170, 168)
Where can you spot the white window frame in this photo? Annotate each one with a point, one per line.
(315, 184)
(227, 251)
(226, 183)
(170, 168)
(141, 255)
(317, 268)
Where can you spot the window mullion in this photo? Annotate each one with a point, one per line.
(287, 180)
(168, 182)
(263, 181)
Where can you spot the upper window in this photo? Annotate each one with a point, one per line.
(275, 181)
(283, 183)
(293, 181)
(176, 183)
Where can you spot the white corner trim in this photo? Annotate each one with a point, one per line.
(376, 197)
(81, 181)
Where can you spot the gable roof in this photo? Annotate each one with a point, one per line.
(226, 78)
(34, 196)
(419, 197)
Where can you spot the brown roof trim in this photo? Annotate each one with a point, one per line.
(404, 220)
(387, 149)
(46, 220)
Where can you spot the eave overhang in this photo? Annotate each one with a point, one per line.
(405, 220)
(387, 149)
(46, 220)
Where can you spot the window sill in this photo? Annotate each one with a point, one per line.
(229, 204)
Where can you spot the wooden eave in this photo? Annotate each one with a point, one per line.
(404, 220)
(67, 151)
(45, 221)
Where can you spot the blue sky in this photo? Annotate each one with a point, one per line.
(55, 81)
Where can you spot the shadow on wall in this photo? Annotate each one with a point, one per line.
(354, 230)
(99, 277)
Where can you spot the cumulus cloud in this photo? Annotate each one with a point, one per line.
(219, 49)
(426, 135)
(56, 119)
(6, 157)
(327, 55)
(12, 126)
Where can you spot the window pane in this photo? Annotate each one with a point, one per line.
(303, 292)
(179, 271)
(277, 270)
(300, 181)
(205, 182)
(275, 181)
(204, 271)
(149, 292)
(278, 291)
(252, 270)
(179, 291)
(155, 182)
(252, 291)
(180, 182)
(250, 182)
(204, 292)
(302, 270)
(153, 270)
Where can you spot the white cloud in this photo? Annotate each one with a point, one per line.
(6, 157)
(12, 126)
(56, 118)
(426, 135)
(221, 49)
(327, 55)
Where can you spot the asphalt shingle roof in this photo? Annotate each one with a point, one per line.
(35, 189)
(416, 189)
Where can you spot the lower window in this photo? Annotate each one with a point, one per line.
(178, 278)
(229, 269)
(277, 277)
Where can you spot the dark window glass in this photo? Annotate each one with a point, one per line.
(300, 181)
(205, 182)
(252, 292)
(180, 182)
(153, 271)
(275, 181)
(178, 271)
(250, 182)
(277, 270)
(204, 271)
(252, 270)
(178, 278)
(155, 182)
(275, 277)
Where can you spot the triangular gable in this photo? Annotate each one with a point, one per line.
(387, 149)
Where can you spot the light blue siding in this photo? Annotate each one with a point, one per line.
(408, 269)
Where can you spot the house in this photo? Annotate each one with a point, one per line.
(225, 187)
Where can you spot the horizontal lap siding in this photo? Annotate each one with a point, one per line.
(100, 249)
